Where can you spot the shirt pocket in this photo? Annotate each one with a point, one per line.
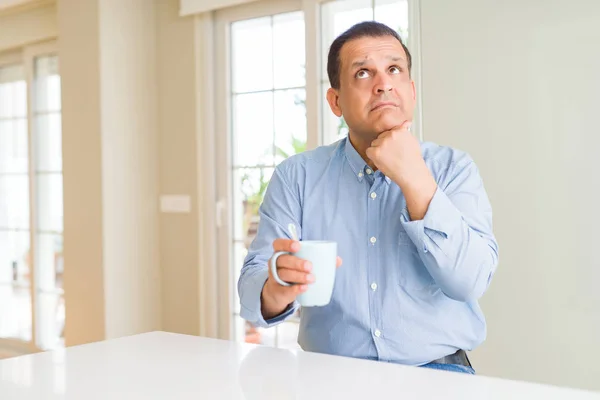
(413, 273)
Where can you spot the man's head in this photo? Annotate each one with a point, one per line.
(369, 73)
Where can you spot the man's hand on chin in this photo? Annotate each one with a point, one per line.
(397, 154)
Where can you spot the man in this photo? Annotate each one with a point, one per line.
(412, 222)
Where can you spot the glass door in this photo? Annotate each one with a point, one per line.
(265, 95)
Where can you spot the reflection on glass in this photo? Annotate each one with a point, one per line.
(252, 55)
(290, 123)
(253, 129)
(18, 371)
(288, 50)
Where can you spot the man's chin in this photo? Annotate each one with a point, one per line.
(388, 123)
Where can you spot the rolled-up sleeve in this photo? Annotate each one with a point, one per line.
(455, 239)
(280, 206)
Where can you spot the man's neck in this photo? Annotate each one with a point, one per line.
(361, 149)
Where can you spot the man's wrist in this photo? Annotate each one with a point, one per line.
(268, 305)
(415, 181)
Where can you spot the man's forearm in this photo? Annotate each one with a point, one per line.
(460, 258)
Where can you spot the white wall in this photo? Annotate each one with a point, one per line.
(110, 156)
(179, 233)
(516, 84)
(82, 171)
(130, 166)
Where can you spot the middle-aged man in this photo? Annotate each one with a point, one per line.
(412, 221)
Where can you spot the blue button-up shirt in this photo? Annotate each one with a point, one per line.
(407, 291)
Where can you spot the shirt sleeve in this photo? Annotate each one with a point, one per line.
(280, 206)
(455, 239)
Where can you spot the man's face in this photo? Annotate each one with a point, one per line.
(376, 92)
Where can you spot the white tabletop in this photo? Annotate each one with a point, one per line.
(163, 365)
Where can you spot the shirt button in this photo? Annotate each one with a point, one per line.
(374, 286)
(360, 174)
(377, 333)
(369, 171)
(373, 195)
(373, 239)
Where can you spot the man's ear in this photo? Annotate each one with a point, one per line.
(333, 100)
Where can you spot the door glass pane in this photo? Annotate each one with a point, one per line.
(50, 202)
(250, 185)
(252, 55)
(50, 262)
(48, 142)
(268, 125)
(50, 313)
(253, 129)
(13, 100)
(336, 17)
(15, 296)
(288, 50)
(14, 257)
(393, 13)
(290, 123)
(47, 84)
(14, 201)
(13, 146)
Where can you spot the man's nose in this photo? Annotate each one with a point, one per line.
(383, 84)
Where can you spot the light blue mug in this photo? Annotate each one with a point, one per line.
(323, 256)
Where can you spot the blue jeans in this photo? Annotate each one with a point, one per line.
(450, 367)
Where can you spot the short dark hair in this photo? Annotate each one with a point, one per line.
(360, 30)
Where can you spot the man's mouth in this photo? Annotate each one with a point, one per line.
(384, 104)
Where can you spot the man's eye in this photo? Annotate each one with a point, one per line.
(395, 70)
(363, 73)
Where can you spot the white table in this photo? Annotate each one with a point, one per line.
(163, 365)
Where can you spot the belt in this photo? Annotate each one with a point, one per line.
(460, 358)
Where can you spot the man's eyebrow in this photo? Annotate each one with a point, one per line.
(362, 63)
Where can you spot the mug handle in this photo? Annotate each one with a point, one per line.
(273, 265)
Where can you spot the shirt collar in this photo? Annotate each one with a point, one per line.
(357, 164)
